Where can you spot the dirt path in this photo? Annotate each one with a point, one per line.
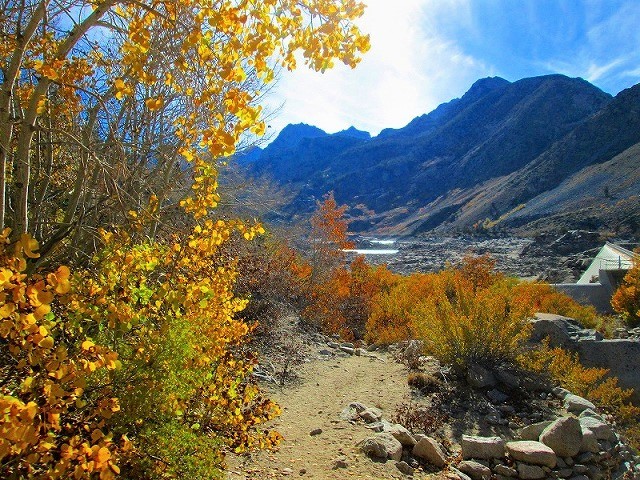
(329, 384)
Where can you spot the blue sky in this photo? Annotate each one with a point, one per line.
(426, 52)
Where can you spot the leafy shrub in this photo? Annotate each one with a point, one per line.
(419, 418)
(626, 300)
(424, 382)
(592, 383)
(544, 298)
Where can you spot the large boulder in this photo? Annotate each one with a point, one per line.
(482, 447)
(428, 449)
(382, 446)
(564, 436)
(531, 452)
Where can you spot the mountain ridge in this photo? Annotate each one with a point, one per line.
(469, 162)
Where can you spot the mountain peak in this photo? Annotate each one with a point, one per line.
(485, 85)
(291, 135)
(355, 133)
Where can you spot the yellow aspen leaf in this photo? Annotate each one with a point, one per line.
(87, 345)
(29, 245)
(46, 342)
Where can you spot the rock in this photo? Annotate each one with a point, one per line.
(505, 471)
(347, 345)
(496, 396)
(405, 468)
(475, 470)
(382, 446)
(375, 426)
(564, 472)
(509, 380)
(351, 412)
(401, 434)
(428, 449)
(315, 431)
(358, 352)
(600, 429)
(530, 472)
(576, 404)
(333, 345)
(480, 377)
(482, 447)
(555, 327)
(371, 415)
(340, 462)
(564, 436)
(532, 452)
(459, 474)
(561, 392)
(589, 441)
(287, 471)
(533, 431)
(348, 350)
(590, 413)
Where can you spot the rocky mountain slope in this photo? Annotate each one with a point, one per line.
(504, 154)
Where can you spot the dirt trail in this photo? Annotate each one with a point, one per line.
(327, 386)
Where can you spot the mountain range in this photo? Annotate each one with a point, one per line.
(541, 153)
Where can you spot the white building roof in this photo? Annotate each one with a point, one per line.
(610, 257)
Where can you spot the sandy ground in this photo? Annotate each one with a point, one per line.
(326, 387)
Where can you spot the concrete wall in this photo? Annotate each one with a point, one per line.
(596, 294)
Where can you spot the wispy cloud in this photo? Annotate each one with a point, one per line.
(409, 70)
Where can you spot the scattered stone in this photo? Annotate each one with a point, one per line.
(340, 462)
(600, 429)
(533, 431)
(589, 441)
(287, 471)
(580, 469)
(371, 414)
(577, 404)
(324, 351)
(475, 470)
(302, 471)
(428, 449)
(333, 345)
(564, 472)
(590, 413)
(347, 345)
(505, 471)
(564, 436)
(496, 396)
(530, 472)
(585, 457)
(560, 392)
(482, 447)
(351, 412)
(382, 446)
(357, 352)
(315, 431)
(507, 379)
(459, 474)
(375, 426)
(480, 377)
(402, 435)
(348, 350)
(404, 467)
(532, 452)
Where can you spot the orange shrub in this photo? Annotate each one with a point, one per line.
(626, 300)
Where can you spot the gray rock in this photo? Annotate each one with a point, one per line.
(600, 429)
(459, 474)
(371, 414)
(564, 472)
(348, 350)
(576, 404)
(530, 472)
(340, 462)
(480, 377)
(404, 468)
(475, 470)
(505, 471)
(564, 436)
(535, 453)
(482, 447)
(352, 411)
(507, 379)
(590, 413)
(382, 446)
(333, 345)
(315, 431)
(428, 449)
(533, 431)
(347, 345)
(589, 441)
(561, 392)
(402, 435)
(496, 396)
(375, 426)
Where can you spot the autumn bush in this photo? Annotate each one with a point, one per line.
(544, 298)
(565, 368)
(626, 300)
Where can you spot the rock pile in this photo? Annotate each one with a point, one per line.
(577, 445)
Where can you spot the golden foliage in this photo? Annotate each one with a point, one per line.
(626, 300)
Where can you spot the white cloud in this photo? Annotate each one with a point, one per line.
(409, 70)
